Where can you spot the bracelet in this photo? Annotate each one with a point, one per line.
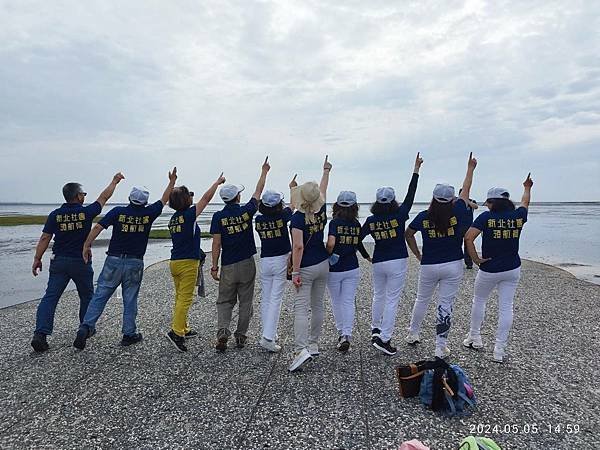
(295, 273)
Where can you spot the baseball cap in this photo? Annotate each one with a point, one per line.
(271, 198)
(139, 196)
(385, 195)
(230, 191)
(443, 193)
(346, 198)
(497, 192)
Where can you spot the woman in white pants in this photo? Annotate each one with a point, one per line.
(500, 265)
(386, 226)
(441, 228)
(310, 267)
(342, 243)
(272, 228)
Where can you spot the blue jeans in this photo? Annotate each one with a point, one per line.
(126, 272)
(62, 270)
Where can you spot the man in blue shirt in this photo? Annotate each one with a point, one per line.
(234, 237)
(70, 225)
(124, 264)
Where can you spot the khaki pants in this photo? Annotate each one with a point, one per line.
(237, 282)
(309, 299)
(185, 273)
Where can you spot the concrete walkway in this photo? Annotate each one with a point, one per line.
(149, 396)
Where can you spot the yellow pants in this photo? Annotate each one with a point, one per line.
(184, 272)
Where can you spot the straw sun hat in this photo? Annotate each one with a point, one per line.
(307, 198)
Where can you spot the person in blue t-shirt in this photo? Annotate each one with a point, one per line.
(442, 260)
(272, 228)
(124, 264)
(185, 257)
(310, 268)
(471, 206)
(232, 233)
(342, 243)
(500, 265)
(386, 226)
(70, 225)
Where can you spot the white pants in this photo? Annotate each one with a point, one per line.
(310, 298)
(273, 271)
(448, 277)
(342, 289)
(388, 283)
(485, 282)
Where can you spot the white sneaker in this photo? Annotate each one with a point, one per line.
(412, 338)
(300, 359)
(442, 352)
(499, 355)
(313, 349)
(270, 346)
(473, 342)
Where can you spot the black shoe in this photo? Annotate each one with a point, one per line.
(191, 334)
(39, 342)
(343, 344)
(240, 340)
(177, 341)
(131, 339)
(384, 347)
(222, 337)
(375, 332)
(82, 335)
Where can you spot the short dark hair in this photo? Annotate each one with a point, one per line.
(378, 209)
(234, 200)
(440, 213)
(500, 204)
(270, 210)
(349, 213)
(180, 198)
(71, 191)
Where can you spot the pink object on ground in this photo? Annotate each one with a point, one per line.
(413, 445)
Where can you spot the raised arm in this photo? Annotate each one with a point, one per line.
(107, 193)
(208, 195)
(87, 245)
(172, 179)
(262, 180)
(325, 178)
(292, 185)
(40, 249)
(468, 181)
(412, 187)
(527, 184)
(409, 236)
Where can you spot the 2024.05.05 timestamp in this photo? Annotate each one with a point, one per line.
(527, 428)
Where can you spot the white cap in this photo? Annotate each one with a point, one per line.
(444, 193)
(346, 198)
(497, 192)
(385, 195)
(139, 196)
(230, 191)
(271, 198)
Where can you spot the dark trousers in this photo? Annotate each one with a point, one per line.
(237, 283)
(62, 270)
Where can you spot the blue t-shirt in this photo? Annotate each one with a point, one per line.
(185, 234)
(131, 227)
(442, 247)
(500, 238)
(273, 232)
(70, 224)
(388, 232)
(347, 238)
(234, 224)
(314, 248)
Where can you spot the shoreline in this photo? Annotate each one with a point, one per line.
(582, 272)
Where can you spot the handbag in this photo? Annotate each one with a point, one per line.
(409, 378)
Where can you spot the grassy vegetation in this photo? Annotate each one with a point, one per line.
(11, 221)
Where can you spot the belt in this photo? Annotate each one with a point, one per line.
(124, 256)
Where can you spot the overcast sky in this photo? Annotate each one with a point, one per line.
(88, 88)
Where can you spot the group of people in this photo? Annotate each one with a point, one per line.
(293, 247)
